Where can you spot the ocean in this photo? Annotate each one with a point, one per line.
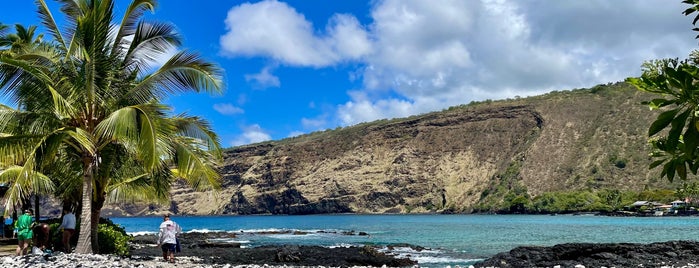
(449, 239)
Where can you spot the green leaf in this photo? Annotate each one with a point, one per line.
(669, 170)
(681, 169)
(663, 120)
(673, 137)
(693, 167)
(656, 163)
(691, 138)
(658, 103)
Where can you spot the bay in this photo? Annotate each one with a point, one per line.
(450, 239)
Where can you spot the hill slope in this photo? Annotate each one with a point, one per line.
(443, 161)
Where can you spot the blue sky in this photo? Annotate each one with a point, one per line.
(294, 67)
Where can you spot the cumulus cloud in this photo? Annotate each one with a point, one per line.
(251, 134)
(276, 30)
(416, 56)
(227, 109)
(264, 79)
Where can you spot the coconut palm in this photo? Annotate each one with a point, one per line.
(95, 94)
(23, 182)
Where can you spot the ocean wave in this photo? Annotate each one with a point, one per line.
(140, 233)
(425, 255)
(205, 231)
(440, 259)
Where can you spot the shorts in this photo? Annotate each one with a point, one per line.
(70, 231)
(168, 247)
(24, 235)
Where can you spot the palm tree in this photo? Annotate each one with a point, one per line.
(98, 104)
(22, 182)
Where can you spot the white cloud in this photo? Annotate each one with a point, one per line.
(263, 79)
(227, 109)
(274, 29)
(313, 124)
(427, 57)
(295, 134)
(251, 134)
(416, 56)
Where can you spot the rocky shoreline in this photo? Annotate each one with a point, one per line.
(214, 248)
(661, 254)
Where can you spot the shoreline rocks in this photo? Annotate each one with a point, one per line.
(210, 249)
(660, 254)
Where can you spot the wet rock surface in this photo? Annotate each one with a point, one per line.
(662, 254)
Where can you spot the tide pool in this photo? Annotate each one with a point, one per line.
(450, 239)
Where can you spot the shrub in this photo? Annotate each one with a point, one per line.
(112, 238)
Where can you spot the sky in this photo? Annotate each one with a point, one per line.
(299, 66)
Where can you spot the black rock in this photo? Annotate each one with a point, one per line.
(206, 247)
(672, 253)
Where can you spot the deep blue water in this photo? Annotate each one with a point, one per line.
(452, 239)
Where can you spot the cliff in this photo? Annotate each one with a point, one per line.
(447, 161)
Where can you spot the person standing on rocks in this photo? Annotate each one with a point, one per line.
(24, 232)
(167, 238)
(68, 227)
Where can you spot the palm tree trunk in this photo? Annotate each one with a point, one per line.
(95, 220)
(85, 237)
(97, 205)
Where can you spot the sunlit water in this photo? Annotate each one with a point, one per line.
(451, 239)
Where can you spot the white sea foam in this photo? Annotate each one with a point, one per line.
(409, 250)
(268, 230)
(342, 245)
(204, 231)
(441, 259)
(140, 233)
(426, 255)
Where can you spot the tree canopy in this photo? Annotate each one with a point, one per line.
(87, 108)
(674, 135)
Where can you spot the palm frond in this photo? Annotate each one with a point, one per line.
(134, 125)
(132, 14)
(3, 29)
(23, 182)
(197, 128)
(81, 140)
(16, 148)
(121, 124)
(49, 22)
(134, 189)
(151, 41)
(183, 72)
(196, 166)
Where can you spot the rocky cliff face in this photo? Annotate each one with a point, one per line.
(437, 162)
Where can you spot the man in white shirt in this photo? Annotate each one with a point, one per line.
(167, 238)
(68, 227)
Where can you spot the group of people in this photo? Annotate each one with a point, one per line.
(39, 233)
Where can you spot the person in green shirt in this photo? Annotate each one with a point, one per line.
(24, 232)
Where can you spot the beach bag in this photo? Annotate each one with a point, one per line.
(37, 251)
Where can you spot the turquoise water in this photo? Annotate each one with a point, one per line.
(451, 239)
